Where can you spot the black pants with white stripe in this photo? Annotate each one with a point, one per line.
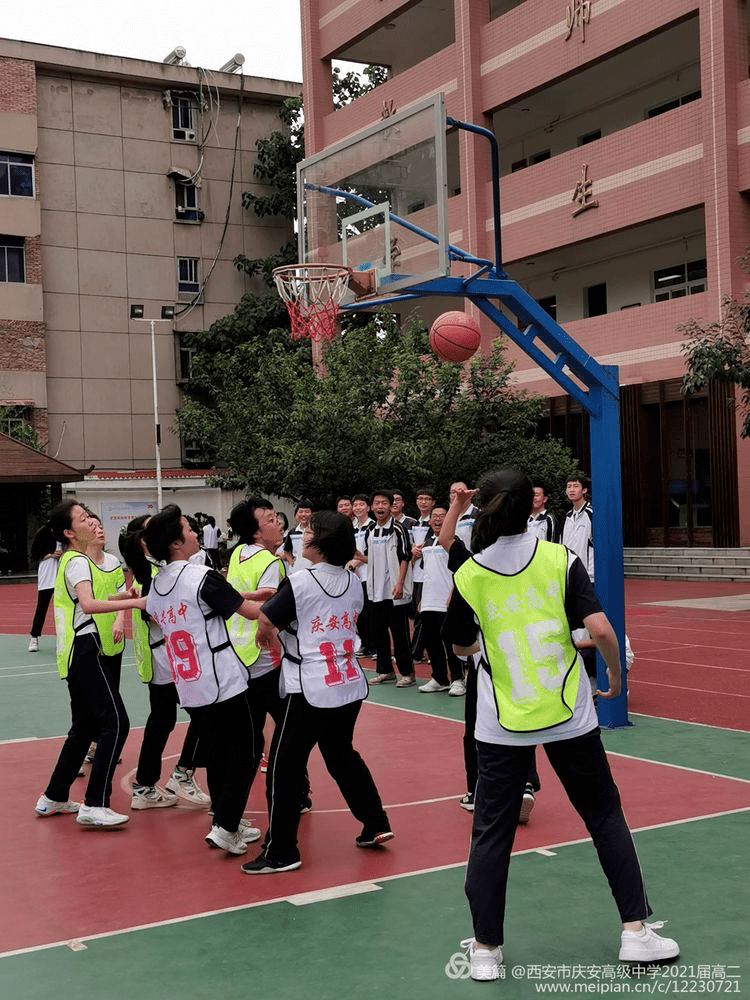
(582, 767)
(98, 713)
(389, 619)
(300, 728)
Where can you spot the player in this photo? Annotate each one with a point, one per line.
(153, 668)
(323, 686)
(191, 605)
(520, 597)
(96, 708)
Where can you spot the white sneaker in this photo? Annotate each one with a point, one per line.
(248, 832)
(647, 945)
(48, 807)
(33, 644)
(457, 689)
(151, 797)
(484, 963)
(232, 843)
(100, 816)
(527, 804)
(432, 686)
(184, 785)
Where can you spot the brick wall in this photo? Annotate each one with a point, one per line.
(33, 260)
(22, 346)
(17, 86)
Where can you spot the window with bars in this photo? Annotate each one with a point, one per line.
(183, 119)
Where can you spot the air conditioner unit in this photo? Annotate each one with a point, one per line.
(190, 135)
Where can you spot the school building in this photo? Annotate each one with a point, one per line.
(624, 133)
(121, 183)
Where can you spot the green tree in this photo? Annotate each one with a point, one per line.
(720, 352)
(388, 412)
(17, 428)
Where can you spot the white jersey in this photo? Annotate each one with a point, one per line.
(294, 544)
(359, 541)
(465, 525)
(437, 585)
(319, 658)
(205, 667)
(418, 533)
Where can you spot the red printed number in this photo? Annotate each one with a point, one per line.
(332, 656)
(182, 657)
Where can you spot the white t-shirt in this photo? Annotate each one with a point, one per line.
(437, 584)
(210, 536)
(47, 572)
(77, 570)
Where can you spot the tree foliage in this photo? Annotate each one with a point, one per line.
(720, 352)
(388, 412)
(19, 430)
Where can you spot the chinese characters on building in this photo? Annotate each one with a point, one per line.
(583, 193)
(577, 15)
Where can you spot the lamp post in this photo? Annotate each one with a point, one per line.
(167, 316)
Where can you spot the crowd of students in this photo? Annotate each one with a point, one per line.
(483, 588)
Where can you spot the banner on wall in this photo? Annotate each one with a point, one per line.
(115, 517)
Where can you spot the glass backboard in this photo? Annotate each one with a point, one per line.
(376, 202)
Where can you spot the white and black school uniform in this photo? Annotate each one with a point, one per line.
(573, 746)
(45, 587)
(386, 548)
(577, 535)
(97, 710)
(465, 524)
(437, 587)
(417, 534)
(293, 547)
(544, 526)
(191, 604)
(364, 622)
(323, 687)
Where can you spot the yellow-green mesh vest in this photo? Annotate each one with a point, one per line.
(64, 614)
(244, 576)
(141, 644)
(533, 663)
(104, 584)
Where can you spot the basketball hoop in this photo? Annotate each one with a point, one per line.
(313, 294)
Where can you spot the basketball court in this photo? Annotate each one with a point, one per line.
(148, 910)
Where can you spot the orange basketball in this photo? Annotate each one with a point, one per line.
(455, 336)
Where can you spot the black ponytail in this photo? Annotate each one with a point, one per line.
(131, 550)
(505, 498)
(60, 521)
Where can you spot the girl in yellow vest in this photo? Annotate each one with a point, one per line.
(153, 668)
(97, 710)
(515, 604)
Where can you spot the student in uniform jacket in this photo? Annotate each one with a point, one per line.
(293, 538)
(541, 522)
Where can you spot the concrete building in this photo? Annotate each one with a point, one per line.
(121, 182)
(623, 240)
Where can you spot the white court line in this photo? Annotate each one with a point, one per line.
(684, 628)
(686, 722)
(690, 663)
(681, 687)
(678, 767)
(34, 673)
(353, 886)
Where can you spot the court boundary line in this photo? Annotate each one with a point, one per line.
(687, 722)
(353, 886)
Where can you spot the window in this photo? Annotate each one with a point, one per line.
(549, 304)
(188, 277)
(186, 202)
(680, 280)
(595, 300)
(675, 103)
(184, 358)
(12, 265)
(583, 140)
(17, 175)
(183, 119)
(534, 158)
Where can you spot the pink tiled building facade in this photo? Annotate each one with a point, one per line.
(624, 134)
